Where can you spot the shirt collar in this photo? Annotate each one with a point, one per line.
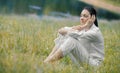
(93, 26)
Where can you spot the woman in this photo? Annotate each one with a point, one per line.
(83, 43)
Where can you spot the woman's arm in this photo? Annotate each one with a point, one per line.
(65, 30)
(79, 27)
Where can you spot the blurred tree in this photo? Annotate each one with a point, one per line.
(73, 7)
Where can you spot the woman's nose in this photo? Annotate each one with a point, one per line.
(81, 18)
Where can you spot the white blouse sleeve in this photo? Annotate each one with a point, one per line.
(75, 34)
(90, 34)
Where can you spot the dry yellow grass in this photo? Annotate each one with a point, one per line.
(25, 42)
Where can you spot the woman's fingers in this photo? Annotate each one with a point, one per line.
(93, 18)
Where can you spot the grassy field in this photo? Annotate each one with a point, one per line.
(26, 41)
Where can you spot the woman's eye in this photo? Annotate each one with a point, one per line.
(85, 16)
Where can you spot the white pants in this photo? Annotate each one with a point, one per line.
(72, 47)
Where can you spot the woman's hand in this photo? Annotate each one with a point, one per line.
(90, 21)
(65, 30)
(62, 31)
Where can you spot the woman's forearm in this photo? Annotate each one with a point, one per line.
(65, 30)
(79, 27)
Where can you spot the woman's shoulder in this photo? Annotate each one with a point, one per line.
(94, 28)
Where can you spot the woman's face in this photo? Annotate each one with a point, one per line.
(84, 16)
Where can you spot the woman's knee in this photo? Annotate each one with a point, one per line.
(72, 40)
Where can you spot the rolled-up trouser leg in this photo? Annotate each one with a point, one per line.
(73, 46)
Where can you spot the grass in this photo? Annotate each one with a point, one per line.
(26, 41)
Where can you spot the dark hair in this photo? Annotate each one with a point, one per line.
(92, 11)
